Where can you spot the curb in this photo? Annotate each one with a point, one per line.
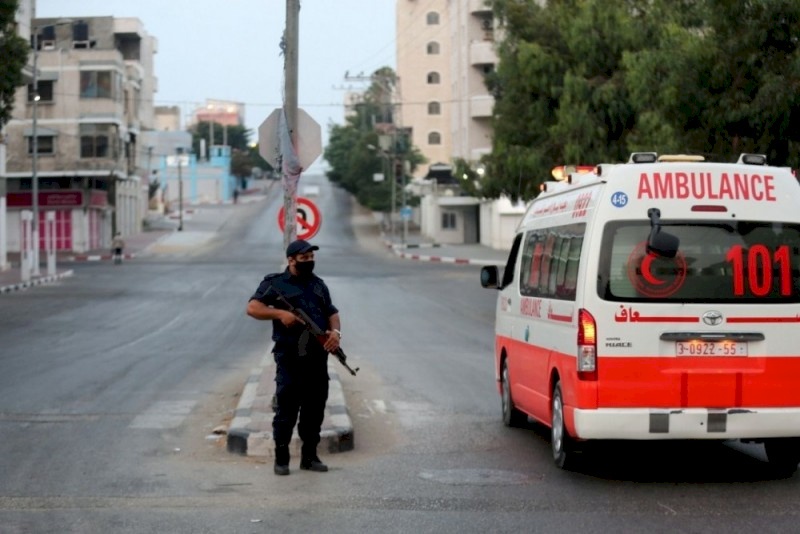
(97, 257)
(36, 282)
(250, 431)
(398, 251)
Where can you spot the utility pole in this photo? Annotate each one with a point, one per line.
(291, 54)
(35, 155)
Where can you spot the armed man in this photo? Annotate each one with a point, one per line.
(301, 375)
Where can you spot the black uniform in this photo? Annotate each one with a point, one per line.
(302, 363)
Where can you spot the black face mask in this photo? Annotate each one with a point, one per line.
(304, 268)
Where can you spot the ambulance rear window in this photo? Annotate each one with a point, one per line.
(723, 261)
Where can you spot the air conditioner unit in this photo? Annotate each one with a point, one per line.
(81, 44)
(48, 45)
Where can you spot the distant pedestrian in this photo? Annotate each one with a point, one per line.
(301, 360)
(235, 195)
(117, 247)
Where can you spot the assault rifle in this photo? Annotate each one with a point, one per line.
(314, 329)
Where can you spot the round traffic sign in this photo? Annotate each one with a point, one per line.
(308, 219)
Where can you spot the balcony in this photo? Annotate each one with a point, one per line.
(482, 53)
(479, 6)
(480, 106)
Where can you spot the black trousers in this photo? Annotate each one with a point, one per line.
(301, 393)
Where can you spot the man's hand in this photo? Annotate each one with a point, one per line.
(288, 318)
(332, 343)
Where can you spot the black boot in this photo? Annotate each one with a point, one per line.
(311, 462)
(281, 460)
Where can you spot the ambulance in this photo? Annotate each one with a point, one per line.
(657, 299)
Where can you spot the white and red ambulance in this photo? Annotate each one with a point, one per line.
(656, 299)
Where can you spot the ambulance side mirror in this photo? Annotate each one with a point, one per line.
(660, 243)
(489, 277)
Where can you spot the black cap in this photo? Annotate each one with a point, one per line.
(299, 247)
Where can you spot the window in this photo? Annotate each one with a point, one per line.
(434, 108)
(433, 48)
(434, 138)
(432, 18)
(98, 84)
(45, 144)
(550, 261)
(448, 220)
(98, 141)
(45, 91)
(726, 261)
(434, 78)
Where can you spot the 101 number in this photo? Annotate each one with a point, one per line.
(760, 263)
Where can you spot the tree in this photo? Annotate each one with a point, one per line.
(586, 81)
(353, 148)
(14, 50)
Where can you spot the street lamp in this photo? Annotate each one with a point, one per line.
(35, 146)
(179, 151)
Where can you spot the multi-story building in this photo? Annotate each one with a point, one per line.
(222, 112)
(445, 49)
(23, 19)
(90, 98)
(425, 100)
(472, 38)
(168, 118)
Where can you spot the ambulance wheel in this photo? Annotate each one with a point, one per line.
(783, 455)
(511, 416)
(560, 441)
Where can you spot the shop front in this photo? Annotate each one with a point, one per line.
(82, 218)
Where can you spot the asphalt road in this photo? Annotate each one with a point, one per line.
(112, 381)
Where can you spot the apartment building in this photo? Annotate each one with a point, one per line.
(424, 71)
(89, 100)
(472, 37)
(445, 49)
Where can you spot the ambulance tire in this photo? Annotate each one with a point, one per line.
(511, 416)
(560, 441)
(783, 455)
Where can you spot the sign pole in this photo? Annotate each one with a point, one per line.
(290, 111)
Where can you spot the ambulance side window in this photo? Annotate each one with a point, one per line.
(530, 271)
(547, 258)
(559, 268)
(567, 291)
(550, 262)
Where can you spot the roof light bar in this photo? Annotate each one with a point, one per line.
(752, 159)
(643, 157)
(671, 158)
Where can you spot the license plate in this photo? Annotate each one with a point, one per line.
(710, 348)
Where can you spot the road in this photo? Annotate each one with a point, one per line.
(112, 381)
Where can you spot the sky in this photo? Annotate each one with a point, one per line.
(229, 50)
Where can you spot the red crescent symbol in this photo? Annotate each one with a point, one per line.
(646, 274)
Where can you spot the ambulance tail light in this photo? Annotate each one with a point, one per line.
(587, 346)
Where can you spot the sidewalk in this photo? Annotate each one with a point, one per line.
(420, 248)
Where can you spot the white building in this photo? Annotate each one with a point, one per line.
(94, 94)
(445, 49)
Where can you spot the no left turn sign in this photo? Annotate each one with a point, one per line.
(308, 219)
